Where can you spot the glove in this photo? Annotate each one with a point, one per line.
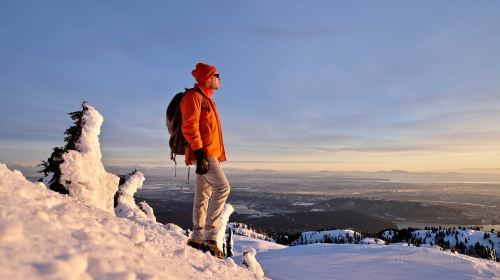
(201, 162)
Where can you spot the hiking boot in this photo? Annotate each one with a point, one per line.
(197, 244)
(214, 249)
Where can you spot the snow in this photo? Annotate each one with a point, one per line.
(46, 235)
(340, 235)
(472, 236)
(372, 241)
(127, 208)
(148, 210)
(363, 261)
(388, 234)
(83, 172)
(468, 237)
(348, 261)
(243, 242)
(11, 231)
(242, 230)
(248, 260)
(222, 223)
(133, 183)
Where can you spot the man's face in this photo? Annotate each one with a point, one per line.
(214, 82)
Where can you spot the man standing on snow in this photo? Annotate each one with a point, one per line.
(202, 129)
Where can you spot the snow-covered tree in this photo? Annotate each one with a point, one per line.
(52, 166)
(76, 169)
(249, 261)
(124, 201)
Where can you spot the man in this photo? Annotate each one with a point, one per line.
(202, 129)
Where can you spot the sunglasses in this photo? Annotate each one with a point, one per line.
(217, 75)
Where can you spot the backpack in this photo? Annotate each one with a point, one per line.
(177, 140)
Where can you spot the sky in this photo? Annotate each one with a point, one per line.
(306, 85)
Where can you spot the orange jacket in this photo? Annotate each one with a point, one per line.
(201, 125)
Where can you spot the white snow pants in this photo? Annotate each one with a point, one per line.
(210, 195)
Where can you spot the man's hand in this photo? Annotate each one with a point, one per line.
(201, 162)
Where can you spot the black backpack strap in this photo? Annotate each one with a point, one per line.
(203, 97)
(199, 91)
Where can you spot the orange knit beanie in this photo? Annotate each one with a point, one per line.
(203, 72)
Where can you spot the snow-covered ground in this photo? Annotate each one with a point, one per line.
(360, 261)
(46, 235)
(353, 261)
(469, 236)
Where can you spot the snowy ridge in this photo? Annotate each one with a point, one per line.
(46, 235)
(328, 236)
(244, 230)
(463, 240)
(470, 242)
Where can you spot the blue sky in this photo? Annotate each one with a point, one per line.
(338, 85)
